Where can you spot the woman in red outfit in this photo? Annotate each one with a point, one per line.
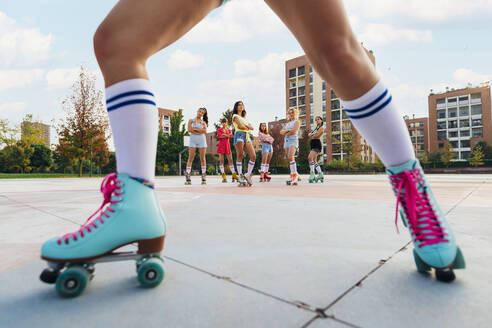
(224, 134)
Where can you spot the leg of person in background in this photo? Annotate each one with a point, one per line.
(311, 157)
(189, 164)
(251, 163)
(221, 167)
(342, 62)
(267, 166)
(294, 177)
(239, 158)
(264, 156)
(230, 161)
(203, 163)
(128, 36)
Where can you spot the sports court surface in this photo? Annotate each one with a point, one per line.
(267, 256)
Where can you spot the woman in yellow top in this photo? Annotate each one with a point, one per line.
(242, 140)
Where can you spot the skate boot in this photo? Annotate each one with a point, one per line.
(295, 178)
(320, 177)
(289, 181)
(312, 177)
(130, 213)
(204, 178)
(224, 178)
(249, 179)
(188, 179)
(266, 177)
(235, 177)
(433, 239)
(262, 176)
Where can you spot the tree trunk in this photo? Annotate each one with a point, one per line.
(80, 167)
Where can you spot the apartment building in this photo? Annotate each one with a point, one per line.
(28, 127)
(461, 117)
(164, 119)
(312, 96)
(418, 128)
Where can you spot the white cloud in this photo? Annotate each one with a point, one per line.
(182, 59)
(245, 67)
(19, 78)
(432, 11)
(237, 21)
(465, 76)
(13, 111)
(383, 34)
(20, 45)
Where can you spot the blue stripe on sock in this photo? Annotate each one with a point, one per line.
(377, 109)
(130, 93)
(368, 106)
(250, 162)
(131, 102)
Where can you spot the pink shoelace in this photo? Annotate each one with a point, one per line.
(422, 219)
(109, 186)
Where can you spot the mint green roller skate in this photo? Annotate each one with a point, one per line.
(320, 177)
(433, 239)
(129, 214)
(312, 177)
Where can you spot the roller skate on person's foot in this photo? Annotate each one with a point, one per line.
(249, 178)
(242, 182)
(266, 177)
(204, 178)
(433, 239)
(320, 177)
(188, 179)
(235, 177)
(224, 178)
(130, 213)
(312, 177)
(293, 179)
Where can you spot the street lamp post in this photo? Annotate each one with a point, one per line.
(90, 162)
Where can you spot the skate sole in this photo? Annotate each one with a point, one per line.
(445, 274)
(145, 246)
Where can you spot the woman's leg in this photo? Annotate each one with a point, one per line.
(231, 163)
(203, 160)
(191, 157)
(239, 157)
(221, 163)
(252, 157)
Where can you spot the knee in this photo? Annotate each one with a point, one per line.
(102, 43)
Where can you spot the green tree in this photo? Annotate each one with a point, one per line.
(424, 159)
(486, 148)
(447, 154)
(41, 159)
(85, 122)
(169, 146)
(304, 150)
(16, 158)
(7, 134)
(62, 163)
(279, 159)
(476, 157)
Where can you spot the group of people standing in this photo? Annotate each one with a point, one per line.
(197, 128)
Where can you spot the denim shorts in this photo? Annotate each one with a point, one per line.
(266, 148)
(290, 141)
(198, 141)
(241, 136)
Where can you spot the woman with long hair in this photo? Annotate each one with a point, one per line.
(242, 141)
(291, 143)
(316, 148)
(197, 128)
(224, 149)
(266, 151)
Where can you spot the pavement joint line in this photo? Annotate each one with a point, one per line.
(322, 316)
(383, 262)
(40, 210)
(298, 304)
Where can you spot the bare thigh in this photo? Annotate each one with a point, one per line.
(323, 31)
(135, 30)
(191, 155)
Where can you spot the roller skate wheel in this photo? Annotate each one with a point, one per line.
(49, 276)
(151, 272)
(73, 281)
(445, 275)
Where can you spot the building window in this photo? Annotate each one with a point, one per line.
(335, 115)
(300, 70)
(441, 135)
(336, 148)
(464, 100)
(465, 143)
(452, 112)
(324, 107)
(453, 134)
(302, 101)
(441, 101)
(292, 72)
(166, 117)
(310, 78)
(464, 111)
(292, 93)
(293, 102)
(293, 84)
(452, 102)
(324, 149)
(477, 122)
(476, 98)
(464, 123)
(323, 85)
(452, 124)
(335, 127)
(477, 133)
(344, 115)
(465, 154)
(454, 144)
(324, 96)
(476, 109)
(311, 99)
(333, 95)
(310, 69)
(441, 145)
(441, 113)
(441, 125)
(464, 133)
(302, 91)
(335, 104)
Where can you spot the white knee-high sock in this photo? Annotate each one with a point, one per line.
(221, 168)
(231, 167)
(311, 167)
(293, 167)
(382, 125)
(251, 166)
(134, 124)
(318, 168)
(239, 166)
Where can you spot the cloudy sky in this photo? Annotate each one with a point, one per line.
(238, 52)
